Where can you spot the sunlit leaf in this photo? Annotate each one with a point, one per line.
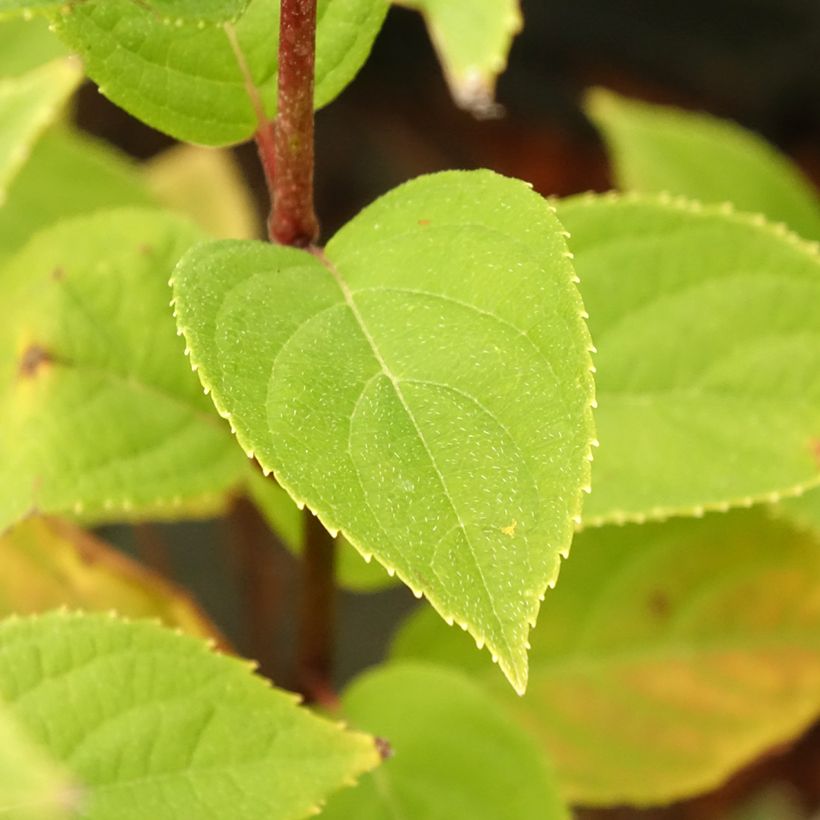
(423, 386)
(100, 415)
(708, 334)
(153, 724)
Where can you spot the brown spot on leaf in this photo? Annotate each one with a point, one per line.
(145, 249)
(424, 222)
(384, 748)
(34, 358)
(658, 604)
(58, 274)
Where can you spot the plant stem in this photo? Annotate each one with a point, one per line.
(287, 156)
(317, 615)
(293, 219)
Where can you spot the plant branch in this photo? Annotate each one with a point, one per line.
(293, 219)
(317, 615)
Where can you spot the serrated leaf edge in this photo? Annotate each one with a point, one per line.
(590, 199)
(517, 680)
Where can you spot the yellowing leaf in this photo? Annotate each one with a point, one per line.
(669, 656)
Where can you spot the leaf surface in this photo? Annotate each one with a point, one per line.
(658, 148)
(708, 369)
(455, 753)
(68, 173)
(32, 786)
(28, 104)
(669, 656)
(287, 522)
(48, 563)
(473, 40)
(195, 81)
(424, 388)
(153, 724)
(100, 415)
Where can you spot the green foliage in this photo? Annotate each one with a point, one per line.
(99, 413)
(48, 563)
(197, 80)
(28, 104)
(709, 364)
(456, 754)
(25, 45)
(668, 656)
(472, 40)
(288, 523)
(32, 787)
(656, 148)
(364, 380)
(152, 724)
(67, 174)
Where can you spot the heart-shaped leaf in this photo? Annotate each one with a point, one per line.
(150, 723)
(423, 386)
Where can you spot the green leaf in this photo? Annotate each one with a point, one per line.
(28, 104)
(170, 12)
(455, 753)
(802, 511)
(473, 40)
(207, 185)
(655, 148)
(423, 387)
(25, 45)
(287, 522)
(68, 173)
(153, 724)
(99, 413)
(709, 365)
(195, 81)
(48, 563)
(669, 656)
(32, 786)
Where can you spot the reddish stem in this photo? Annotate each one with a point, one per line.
(293, 219)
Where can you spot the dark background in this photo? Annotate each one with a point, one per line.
(755, 61)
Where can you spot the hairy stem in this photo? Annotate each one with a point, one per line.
(293, 219)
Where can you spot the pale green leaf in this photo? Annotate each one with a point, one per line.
(455, 753)
(48, 563)
(802, 511)
(170, 12)
(68, 173)
(25, 45)
(154, 725)
(195, 82)
(207, 185)
(287, 522)
(657, 148)
(28, 104)
(424, 387)
(32, 786)
(669, 655)
(709, 364)
(473, 40)
(99, 413)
